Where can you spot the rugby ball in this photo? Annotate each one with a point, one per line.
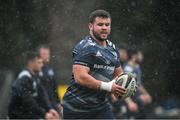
(128, 82)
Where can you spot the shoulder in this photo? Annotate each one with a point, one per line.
(23, 78)
(111, 44)
(86, 44)
(24, 74)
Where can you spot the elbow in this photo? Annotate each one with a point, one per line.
(80, 74)
(79, 79)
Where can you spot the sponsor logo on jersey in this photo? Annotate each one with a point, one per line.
(111, 68)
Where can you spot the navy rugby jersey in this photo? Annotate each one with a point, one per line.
(102, 62)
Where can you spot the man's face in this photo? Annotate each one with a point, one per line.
(45, 55)
(123, 55)
(100, 28)
(37, 65)
(140, 57)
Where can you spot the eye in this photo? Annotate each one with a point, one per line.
(107, 24)
(100, 24)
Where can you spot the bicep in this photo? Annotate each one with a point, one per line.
(79, 71)
(82, 77)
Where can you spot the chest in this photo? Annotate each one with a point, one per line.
(106, 56)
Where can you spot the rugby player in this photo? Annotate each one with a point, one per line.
(136, 104)
(95, 64)
(29, 100)
(47, 77)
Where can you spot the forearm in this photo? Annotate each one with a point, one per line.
(82, 77)
(143, 90)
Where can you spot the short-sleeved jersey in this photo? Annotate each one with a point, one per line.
(102, 62)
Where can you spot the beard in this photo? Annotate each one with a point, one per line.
(98, 36)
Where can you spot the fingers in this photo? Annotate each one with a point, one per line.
(118, 90)
(49, 116)
(118, 94)
(54, 113)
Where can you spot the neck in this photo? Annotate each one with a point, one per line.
(31, 70)
(100, 42)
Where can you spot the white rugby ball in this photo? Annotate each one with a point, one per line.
(127, 82)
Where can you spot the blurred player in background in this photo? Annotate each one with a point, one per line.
(95, 64)
(118, 106)
(136, 104)
(123, 55)
(48, 78)
(28, 98)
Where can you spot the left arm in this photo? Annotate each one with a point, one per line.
(145, 97)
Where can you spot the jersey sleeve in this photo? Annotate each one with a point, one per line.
(84, 56)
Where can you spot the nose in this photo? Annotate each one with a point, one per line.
(104, 27)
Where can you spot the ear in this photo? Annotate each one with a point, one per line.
(90, 26)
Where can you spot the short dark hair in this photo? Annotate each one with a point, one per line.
(98, 13)
(30, 56)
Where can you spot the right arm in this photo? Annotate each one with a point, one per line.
(82, 77)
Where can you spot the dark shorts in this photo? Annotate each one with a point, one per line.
(105, 113)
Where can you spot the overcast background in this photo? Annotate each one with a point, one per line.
(151, 25)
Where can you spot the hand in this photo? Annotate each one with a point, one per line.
(146, 99)
(132, 106)
(49, 116)
(117, 90)
(52, 114)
